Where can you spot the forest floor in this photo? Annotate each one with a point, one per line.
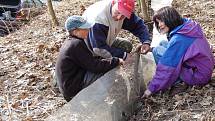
(196, 103)
(28, 56)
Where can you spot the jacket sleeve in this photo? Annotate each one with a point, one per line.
(137, 27)
(97, 37)
(84, 58)
(169, 65)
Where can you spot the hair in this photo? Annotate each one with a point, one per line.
(169, 16)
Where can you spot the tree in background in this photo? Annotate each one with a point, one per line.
(144, 9)
(52, 13)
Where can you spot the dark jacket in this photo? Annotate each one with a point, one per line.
(73, 61)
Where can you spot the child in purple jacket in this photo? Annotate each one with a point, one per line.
(186, 56)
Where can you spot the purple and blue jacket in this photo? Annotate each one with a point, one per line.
(188, 56)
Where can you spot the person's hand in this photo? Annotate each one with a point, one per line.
(121, 61)
(129, 55)
(143, 48)
(128, 59)
(147, 93)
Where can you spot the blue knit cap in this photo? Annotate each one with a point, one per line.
(76, 21)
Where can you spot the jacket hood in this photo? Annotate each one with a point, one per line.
(188, 28)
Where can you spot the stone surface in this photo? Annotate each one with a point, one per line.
(112, 97)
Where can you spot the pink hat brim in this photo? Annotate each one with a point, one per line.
(124, 11)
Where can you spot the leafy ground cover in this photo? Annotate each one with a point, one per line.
(27, 59)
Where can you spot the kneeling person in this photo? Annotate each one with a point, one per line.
(76, 66)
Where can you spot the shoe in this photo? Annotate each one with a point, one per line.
(54, 84)
(54, 81)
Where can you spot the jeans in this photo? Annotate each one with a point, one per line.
(159, 50)
(90, 77)
(122, 44)
(158, 53)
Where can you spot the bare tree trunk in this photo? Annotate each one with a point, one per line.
(52, 13)
(144, 7)
(144, 10)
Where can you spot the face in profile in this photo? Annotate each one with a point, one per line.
(81, 33)
(163, 28)
(116, 15)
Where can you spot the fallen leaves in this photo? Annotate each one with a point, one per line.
(28, 56)
(198, 102)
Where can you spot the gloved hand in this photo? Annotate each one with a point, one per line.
(143, 48)
(147, 93)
